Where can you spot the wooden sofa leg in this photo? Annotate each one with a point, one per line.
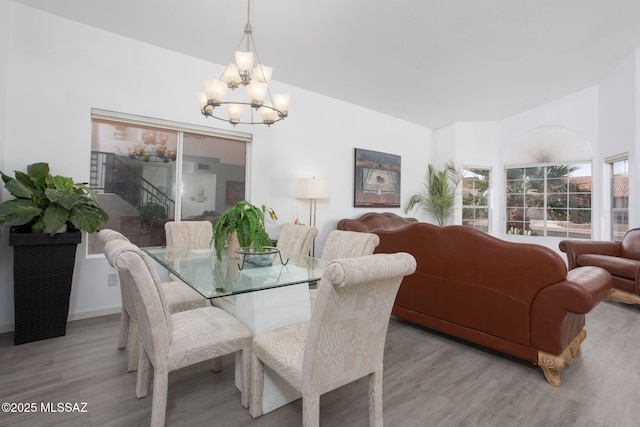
(552, 365)
(622, 296)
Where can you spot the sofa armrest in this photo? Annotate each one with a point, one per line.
(557, 312)
(573, 248)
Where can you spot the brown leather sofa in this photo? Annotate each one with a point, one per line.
(512, 297)
(621, 259)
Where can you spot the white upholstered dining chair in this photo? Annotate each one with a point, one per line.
(179, 296)
(346, 244)
(173, 341)
(192, 234)
(349, 244)
(297, 238)
(344, 339)
(195, 234)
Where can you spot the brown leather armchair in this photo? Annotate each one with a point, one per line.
(621, 259)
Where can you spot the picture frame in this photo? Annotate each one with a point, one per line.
(377, 179)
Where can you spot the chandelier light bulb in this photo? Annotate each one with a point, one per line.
(262, 73)
(256, 91)
(202, 100)
(281, 101)
(235, 113)
(215, 91)
(268, 114)
(231, 76)
(244, 61)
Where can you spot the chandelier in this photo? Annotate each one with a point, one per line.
(256, 82)
(152, 148)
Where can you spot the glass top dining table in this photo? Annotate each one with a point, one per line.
(213, 278)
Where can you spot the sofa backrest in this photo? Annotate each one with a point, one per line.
(470, 278)
(630, 247)
(374, 221)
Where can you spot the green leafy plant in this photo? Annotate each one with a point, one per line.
(151, 212)
(438, 196)
(46, 203)
(247, 221)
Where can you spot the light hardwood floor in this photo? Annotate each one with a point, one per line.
(429, 380)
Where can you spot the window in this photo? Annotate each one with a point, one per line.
(549, 200)
(475, 198)
(147, 174)
(619, 198)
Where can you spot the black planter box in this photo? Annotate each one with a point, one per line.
(42, 276)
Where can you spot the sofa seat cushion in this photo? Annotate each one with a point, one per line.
(617, 266)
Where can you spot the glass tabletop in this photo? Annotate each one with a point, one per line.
(213, 278)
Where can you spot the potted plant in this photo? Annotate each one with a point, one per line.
(150, 213)
(438, 197)
(244, 220)
(46, 219)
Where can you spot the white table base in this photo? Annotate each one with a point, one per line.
(266, 310)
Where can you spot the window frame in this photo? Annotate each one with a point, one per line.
(612, 210)
(180, 129)
(530, 191)
(488, 197)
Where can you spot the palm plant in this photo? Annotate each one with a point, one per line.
(438, 196)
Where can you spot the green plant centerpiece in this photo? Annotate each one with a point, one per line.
(247, 221)
(47, 203)
(438, 196)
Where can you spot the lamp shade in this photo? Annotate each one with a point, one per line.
(311, 188)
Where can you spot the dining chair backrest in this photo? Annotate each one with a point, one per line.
(297, 238)
(195, 234)
(154, 318)
(348, 244)
(348, 326)
(111, 250)
(107, 235)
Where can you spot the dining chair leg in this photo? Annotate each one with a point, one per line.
(159, 401)
(246, 376)
(134, 347)
(144, 374)
(375, 399)
(257, 386)
(124, 329)
(311, 411)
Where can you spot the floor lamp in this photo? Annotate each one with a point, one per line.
(312, 189)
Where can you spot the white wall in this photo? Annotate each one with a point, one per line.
(471, 144)
(619, 121)
(6, 272)
(59, 70)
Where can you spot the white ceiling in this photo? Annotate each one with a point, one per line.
(430, 62)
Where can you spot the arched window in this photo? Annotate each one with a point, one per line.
(548, 193)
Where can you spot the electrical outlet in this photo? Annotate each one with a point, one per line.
(113, 279)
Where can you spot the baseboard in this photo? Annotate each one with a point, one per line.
(10, 326)
(7, 327)
(95, 313)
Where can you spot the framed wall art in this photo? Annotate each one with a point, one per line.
(376, 180)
